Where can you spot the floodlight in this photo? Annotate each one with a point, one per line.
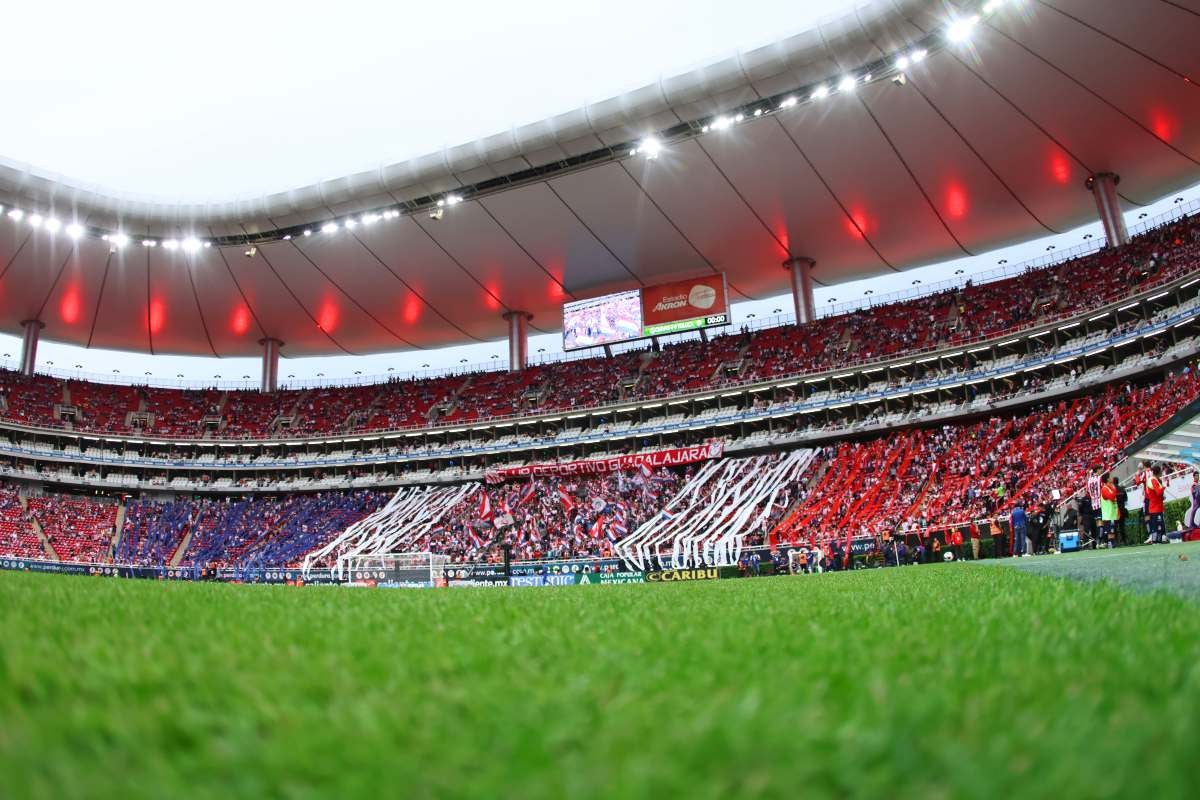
(960, 30)
(651, 147)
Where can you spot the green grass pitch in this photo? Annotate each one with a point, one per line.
(947, 681)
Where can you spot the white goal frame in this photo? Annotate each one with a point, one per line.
(423, 568)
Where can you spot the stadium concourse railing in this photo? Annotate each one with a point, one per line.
(1000, 338)
(778, 409)
(1089, 247)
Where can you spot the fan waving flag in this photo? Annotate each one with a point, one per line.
(597, 528)
(568, 502)
(527, 495)
(485, 506)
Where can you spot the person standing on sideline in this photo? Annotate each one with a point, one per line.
(1018, 522)
(1122, 514)
(1154, 506)
(999, 540)
(1108, 511)
(1095, 487)
(973, 531)
(956, 543)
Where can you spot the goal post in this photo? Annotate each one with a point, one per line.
(395, 570)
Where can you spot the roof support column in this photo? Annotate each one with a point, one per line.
(518, 339)
(31, 332)
(270, 364)
(800, 269)
(1103, 186)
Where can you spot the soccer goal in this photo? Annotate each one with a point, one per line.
(396, 570)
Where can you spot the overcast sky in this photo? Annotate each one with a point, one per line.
(224, 99)
(213, 100)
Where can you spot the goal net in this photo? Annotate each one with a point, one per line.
(396, 570)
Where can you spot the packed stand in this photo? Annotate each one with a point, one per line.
(77, 528)
(17, 537)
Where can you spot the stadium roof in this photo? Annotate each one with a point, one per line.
(1177, 440)
(985, 142)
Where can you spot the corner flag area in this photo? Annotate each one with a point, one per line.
(950, 680)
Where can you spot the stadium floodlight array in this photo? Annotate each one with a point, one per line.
(411, 513)
(707, 521)
(397, 570)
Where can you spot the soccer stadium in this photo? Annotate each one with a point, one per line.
(819, 416)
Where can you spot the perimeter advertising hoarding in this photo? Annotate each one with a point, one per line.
(656, 310)
(685, 305)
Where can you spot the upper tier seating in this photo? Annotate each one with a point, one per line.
(939, 320)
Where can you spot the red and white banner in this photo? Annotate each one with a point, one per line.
(667, 303)
(595, 466)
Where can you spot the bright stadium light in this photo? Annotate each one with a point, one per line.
(329, 227)
(918, 56)
(992, 5)
(52, 224)
(191, 244)
(149, 243)
(170, 244)
(788, 102)
(118, 240)
(902, 63)
(960, 30)
(650, 147)
(721, 123)
(367, 219)
(16, 214)
(453, 200)
(350, 223)
(847, 84)
(35, 220)
(307, 232)
(75, 230)
(820, 93)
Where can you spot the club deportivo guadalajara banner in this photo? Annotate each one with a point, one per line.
(595, 466)
(685, 305)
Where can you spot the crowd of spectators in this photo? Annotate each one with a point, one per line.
(962, 472)
(969, 313)
(17, 537)
(552, 518)
(77, 528)
(900, 483)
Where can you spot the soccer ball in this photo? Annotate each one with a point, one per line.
(947, 556)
